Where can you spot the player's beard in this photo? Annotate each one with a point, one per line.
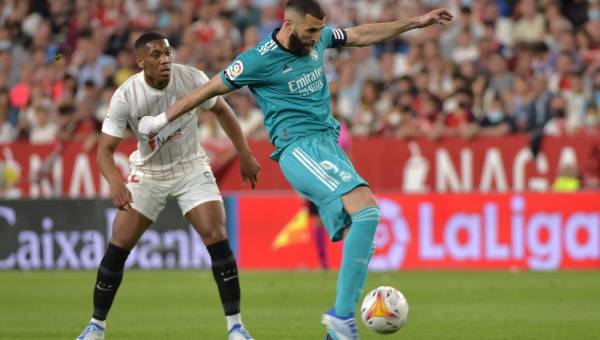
(297, 46)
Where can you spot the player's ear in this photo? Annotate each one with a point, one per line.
(288, 25)
(139, 61)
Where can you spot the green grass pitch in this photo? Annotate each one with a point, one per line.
(287, 305)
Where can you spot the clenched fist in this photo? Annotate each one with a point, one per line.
(151, 125)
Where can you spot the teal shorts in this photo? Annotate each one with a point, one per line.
(321, 172)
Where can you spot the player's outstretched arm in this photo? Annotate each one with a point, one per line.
(249, 167)
(150, 126)
(106, 148)
(369, 34)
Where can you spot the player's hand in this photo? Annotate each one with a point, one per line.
(249, 168)
(151, 125)
(121, 196)
(437, 16)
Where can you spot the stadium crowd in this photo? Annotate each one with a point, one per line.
(502, 67)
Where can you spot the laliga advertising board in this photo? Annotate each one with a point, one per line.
(474, 231)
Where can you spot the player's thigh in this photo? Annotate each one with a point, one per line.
(148, 200)
(202, 205)
(128, 227)
(208, 219)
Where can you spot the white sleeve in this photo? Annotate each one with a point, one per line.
(116, 118)
(203, 79)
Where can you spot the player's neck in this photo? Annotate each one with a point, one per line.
(283, 39)
(154, 83)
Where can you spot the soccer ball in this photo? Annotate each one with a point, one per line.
(384, 310)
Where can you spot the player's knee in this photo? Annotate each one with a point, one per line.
(124, 235)
(213, 235)
(359, 199)
(122, 242)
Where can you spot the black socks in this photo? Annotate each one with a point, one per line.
(224, 270)
(110, 274)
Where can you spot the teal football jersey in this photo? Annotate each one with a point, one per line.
(291, 91)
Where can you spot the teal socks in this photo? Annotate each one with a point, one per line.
(358, 249)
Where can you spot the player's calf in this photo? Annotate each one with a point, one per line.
(110, 274)
(357, 252)
(224, 268)
(225, 273)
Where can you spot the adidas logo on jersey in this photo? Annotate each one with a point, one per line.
(286, 68)
(269, 46)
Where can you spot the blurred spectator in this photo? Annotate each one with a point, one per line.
(531, 25)
(592, 116)
(576, 103)
(466, 50)
(250, 117)
(567, 179)
(538, 111)
(246, 15)
(93, 65)
(27, 116)
(119, 39)
(558, 123)
(559, 77)
(399, 122)
(502, 25)
(369, 110)
(87, 127)
(268, 21)
(496, 121)
(250, 39)
(66, 122)
(7, 131)
(210, 128)
(43, 130)
(501, 80)
(126, 66)
(460, 121)
(104, 102)
(517, 102)
(20, 93)
(428, 120)
(465, 24)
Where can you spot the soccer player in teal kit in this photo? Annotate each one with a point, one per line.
(285, 74)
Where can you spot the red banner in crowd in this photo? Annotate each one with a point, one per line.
(492, 164)
(498, 164)
(437, 231)
(68, 170)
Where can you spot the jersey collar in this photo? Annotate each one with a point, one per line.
(274, 37)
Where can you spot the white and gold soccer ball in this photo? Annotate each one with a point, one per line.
(384, 310)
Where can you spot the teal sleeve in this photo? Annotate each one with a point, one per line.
(246, 69)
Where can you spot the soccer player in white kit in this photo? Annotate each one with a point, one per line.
(171, 163)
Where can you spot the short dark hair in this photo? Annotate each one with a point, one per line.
(146, 38)
(305, 7)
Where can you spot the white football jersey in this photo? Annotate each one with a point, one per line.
(176, 149)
